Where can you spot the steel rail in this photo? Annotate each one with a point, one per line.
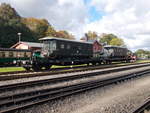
(69, 77)
(63, 91)
(12, 75)
(144, 106)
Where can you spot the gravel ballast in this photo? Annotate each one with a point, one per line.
(117, 98)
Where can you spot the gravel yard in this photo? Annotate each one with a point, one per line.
(118, 98)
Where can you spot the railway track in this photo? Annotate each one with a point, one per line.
(143, 108)
(16, 101)
(61, 78)
(25, 74)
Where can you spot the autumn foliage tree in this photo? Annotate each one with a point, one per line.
(64, 34)
(40, 27)
(91, 35)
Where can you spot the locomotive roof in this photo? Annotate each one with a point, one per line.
(56, 38)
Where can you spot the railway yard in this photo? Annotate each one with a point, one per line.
(93, 89)
(83, 56)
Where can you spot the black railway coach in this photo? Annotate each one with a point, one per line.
(64, 48)
(117, 53)
(58, 51)
(66, 51)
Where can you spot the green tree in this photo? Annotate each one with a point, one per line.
(106, 38)
(111, 39)
(10, 25)
(117, 42)
(141, 53)
(8, 13)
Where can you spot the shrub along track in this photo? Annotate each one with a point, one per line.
(20, 100)
(27, 74)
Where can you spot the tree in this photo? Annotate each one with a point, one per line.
(141, 53)
(50, 31)
(38, 26)
(91, 35)
(111, 39)
(117, 42)
(106, 38)
(64, 34)
(31, 29)
(8, 13)
(10, 25)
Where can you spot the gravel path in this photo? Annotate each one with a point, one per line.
(118, 98)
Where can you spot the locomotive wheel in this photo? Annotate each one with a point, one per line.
(94, 63)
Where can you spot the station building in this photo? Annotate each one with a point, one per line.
(28, 45)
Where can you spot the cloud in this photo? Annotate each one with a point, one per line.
(129, 19)
(62, 14)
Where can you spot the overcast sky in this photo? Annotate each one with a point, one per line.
(128, 19)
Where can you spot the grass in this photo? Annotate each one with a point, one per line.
(13, 69)
(55, 66)
(142, 61)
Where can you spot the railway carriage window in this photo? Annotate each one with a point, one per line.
(14, 54)
(48, 47)
(11, 54)
(45, 45)
(18, 54)
(62, 46)
(79, 47)
(22, 54)
(1, 54)
(28, 54)
(68, 46)
(25, 54)
(53, 45)
(7, 54)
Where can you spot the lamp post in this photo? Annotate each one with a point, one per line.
(19, 34)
